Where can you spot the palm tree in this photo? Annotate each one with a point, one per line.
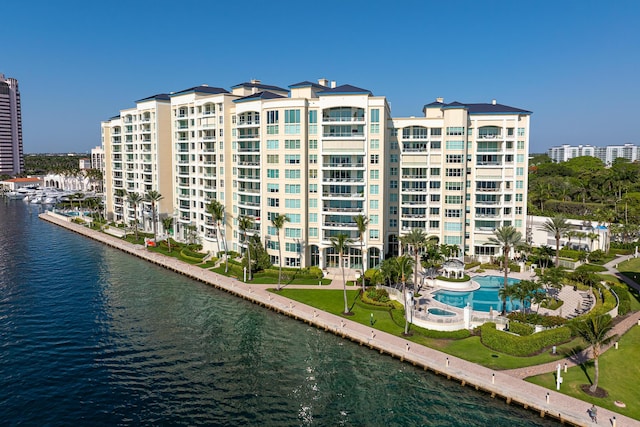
(592, 238)
(278, 222)
(362, 222)
(557, 226)
(508, 292)
(594, 331)
(134, 199)
(166, 224)
(507, 237)
(245, 223)
(404, 266)
(216, 210)
(340, 244)
(153, 197)
(417, 239)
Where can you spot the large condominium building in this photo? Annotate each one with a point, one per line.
(11, 155)
(321, 154)
(607, 154)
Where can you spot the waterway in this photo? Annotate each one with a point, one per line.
(92, 336)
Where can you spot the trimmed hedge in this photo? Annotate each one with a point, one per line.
(522, 346)
(625, 299)
(188, 254)
(537, 319)
(521, 329)
(450, 279)
(591, 268)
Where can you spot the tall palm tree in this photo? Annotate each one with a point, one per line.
(166, 224)
(595, 331)
(557, 226)
(418, 240)
(134, 200)
(592, 238)
(340, 244)
(362, 222)
(404, 266)
(216, 210)
(507, 237)
(153, 197)
(278, 222)
(245, 223)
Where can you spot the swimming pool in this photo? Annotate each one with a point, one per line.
(483, 299)
(440, 312)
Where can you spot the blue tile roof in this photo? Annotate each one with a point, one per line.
(307, 84)
(481, 108)
(259, 95)
(158, 97)
(201, 89)
(343, 89)
(259, 86)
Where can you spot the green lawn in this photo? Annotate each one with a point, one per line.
(392, 321)
(619, 376)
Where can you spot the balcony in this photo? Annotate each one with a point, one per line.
(336, 224)
(342, 165)
(489, 136)
(344, 195)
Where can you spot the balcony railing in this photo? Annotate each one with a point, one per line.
(343, 165)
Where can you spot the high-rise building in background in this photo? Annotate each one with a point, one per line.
(11, 155)
(607, 154)
(321, 154)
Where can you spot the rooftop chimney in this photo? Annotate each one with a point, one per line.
(323, 82)
(255, 82)
(493, 102)
(333, 84)
(440, 100)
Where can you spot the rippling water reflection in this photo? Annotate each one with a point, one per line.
(97, 337)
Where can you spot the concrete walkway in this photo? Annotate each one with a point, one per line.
(498, 384)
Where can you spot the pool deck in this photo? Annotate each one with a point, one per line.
(498, 384)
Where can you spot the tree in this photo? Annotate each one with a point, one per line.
(153, 197)
(506, 237)
(595, 331)
(557, 226)
(340, 244)
(404, 267)
(166, 224)
(278, 222)
(216, 210)
(362, 222)
(592, 238)
(134, 199)
(417, 239)
(245, 223)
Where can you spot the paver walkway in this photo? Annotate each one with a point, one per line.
(497, 383)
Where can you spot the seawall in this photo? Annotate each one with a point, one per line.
(497, 384)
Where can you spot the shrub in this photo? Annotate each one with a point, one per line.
(591, 268)
(537, 319)
(450, 279)
(522, 346)
(380, 299)
(596, 256)
(471, 265)
(521, 329)
(625, 299)
(453, 335)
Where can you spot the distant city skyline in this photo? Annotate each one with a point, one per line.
(573, 64)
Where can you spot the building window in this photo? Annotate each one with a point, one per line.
(455, 130)
(393, 223)
(374, 189)
(393, 158)
(521, 133)
(454, 158)
(313, 159)
(520, 145)
(292, 203)
(292, 144)
(453, 172)
(374, 174)
(273, 158)
(313, 144)
(434, 224)
(274, 203)
(456, 200)
(455, 145)
(435, 171)
(374, 159)
(313, 173)
(272, 117)
(292, 173)
(313, 188)
(393, 197)
(313, 217)
(518, 197)
(294, 218)
(374, 144)
(273, 188)
(375, 128)
(374, 234)
(292, 159)
(393, 171)
(292, 188)
(519, 171)
(373, 219)
(436, 145)
(393, 184)
(434, 211)
(273, 173)
(313, 232)
(373, 204)
(313, 203)
(273, 144)
(375, 116)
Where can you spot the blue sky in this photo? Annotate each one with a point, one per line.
(575, 64)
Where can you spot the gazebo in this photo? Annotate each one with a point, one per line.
(453, 269)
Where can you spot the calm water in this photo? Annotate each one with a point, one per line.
(483, 299)
(92, 336)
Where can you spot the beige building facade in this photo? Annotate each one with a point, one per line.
(320, 153)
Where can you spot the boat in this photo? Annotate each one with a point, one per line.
(15, 195)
